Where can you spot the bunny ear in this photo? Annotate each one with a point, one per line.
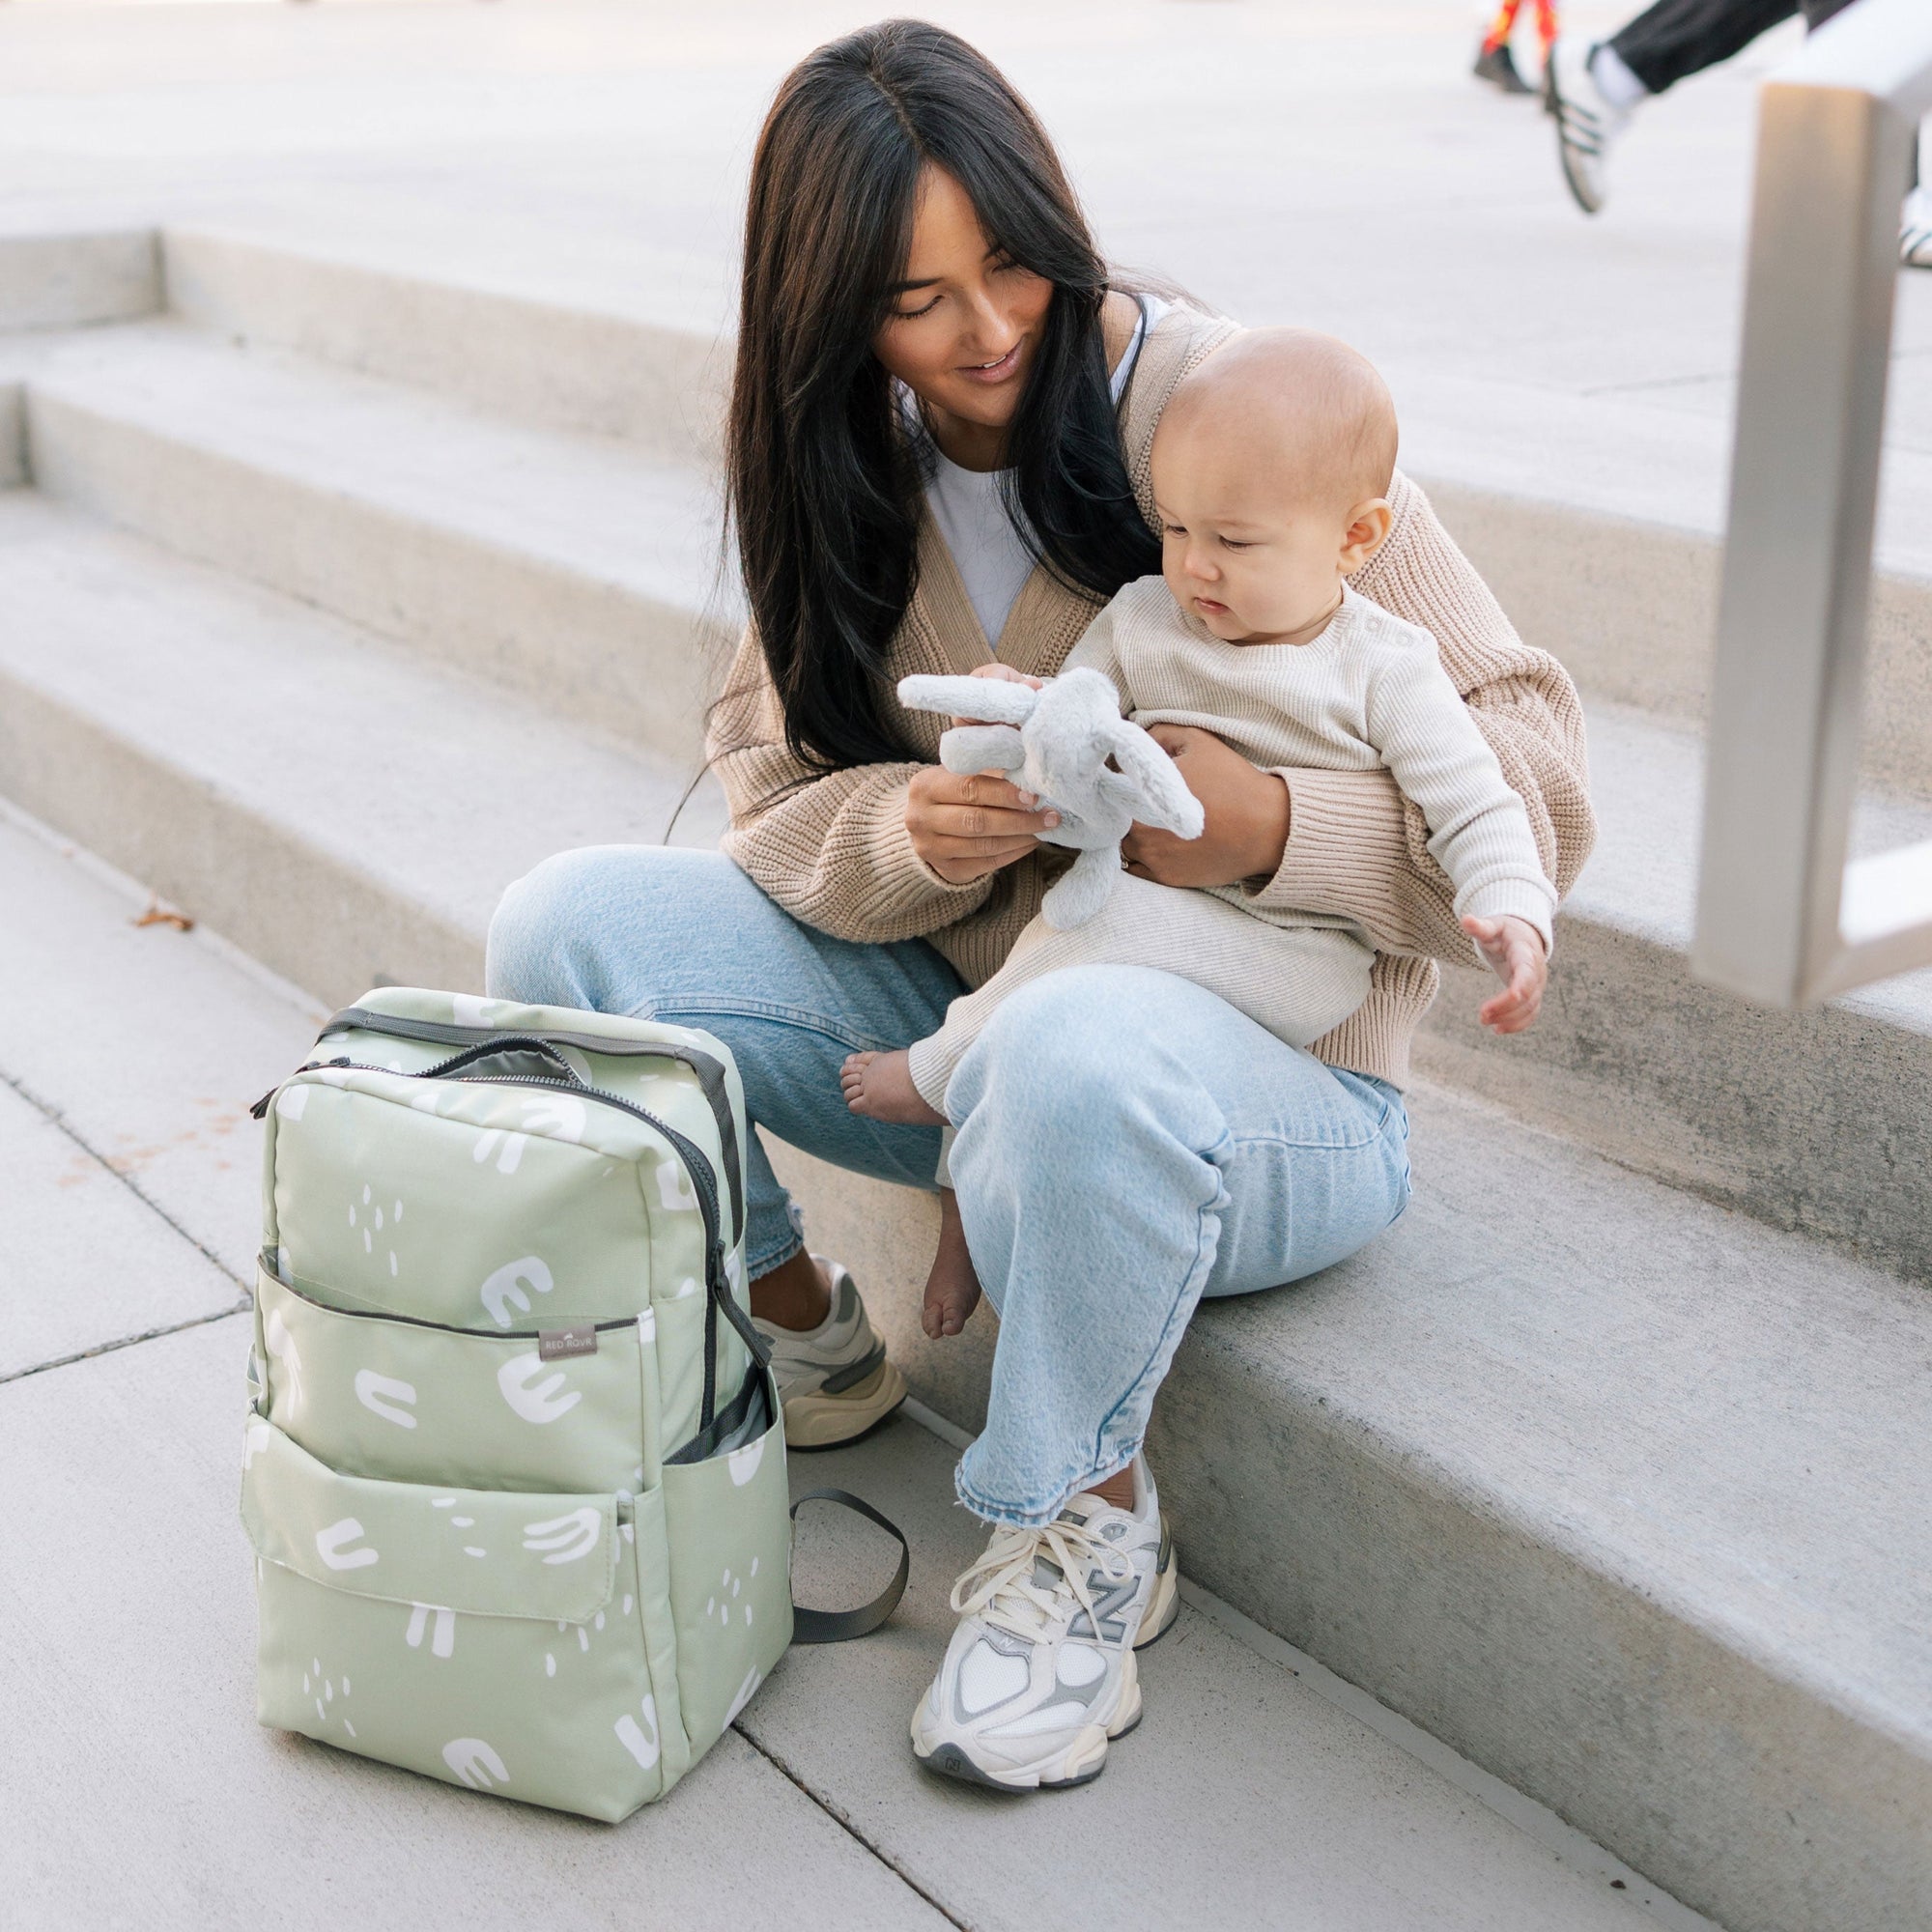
(990, 700)
(1167, 800)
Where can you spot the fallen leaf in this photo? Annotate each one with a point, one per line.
(158, 913)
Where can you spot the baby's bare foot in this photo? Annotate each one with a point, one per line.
(952, 1288)
(879, 1085)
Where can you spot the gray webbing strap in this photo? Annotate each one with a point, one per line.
(842, 1626)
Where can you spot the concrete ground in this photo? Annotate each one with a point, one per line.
(138, 1790)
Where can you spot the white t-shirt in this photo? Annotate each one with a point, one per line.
(992, 560)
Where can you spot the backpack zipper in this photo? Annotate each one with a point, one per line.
(419, 1322)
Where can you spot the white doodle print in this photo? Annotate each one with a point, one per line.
(569, 1538)
(688, 1286)
(752, 1682)
(258, 1436)
(674, 1189)
(332, 1545)
(486, 1146)
(284, 1269)
(282, 1346)
(641, 1740)
(647, 1328)
(291, 1103)
(534, 1401)
(384, 1396)
(369, 1217)
(743, 1464)
(504, 1288)
(728, 1587)
(474, 1010)
(474, 1763)
(560, 1115)
(442, 1638)
(317, 1684)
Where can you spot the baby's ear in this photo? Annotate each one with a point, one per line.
(1367, 530)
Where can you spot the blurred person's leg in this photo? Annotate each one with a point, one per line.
(1677, 37)
(1593, 91)
(1493, 60)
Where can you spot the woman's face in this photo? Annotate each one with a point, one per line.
(966, 322)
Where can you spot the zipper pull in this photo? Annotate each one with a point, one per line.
(260, 1110)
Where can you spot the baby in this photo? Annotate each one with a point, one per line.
(1270, 468)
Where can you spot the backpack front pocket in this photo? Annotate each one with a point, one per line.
(491, 1638)
(377, 1395)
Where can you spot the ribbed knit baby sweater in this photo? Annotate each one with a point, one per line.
(1368, 691)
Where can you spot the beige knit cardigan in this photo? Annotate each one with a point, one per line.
(833, 850)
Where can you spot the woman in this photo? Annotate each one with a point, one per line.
(938, 454)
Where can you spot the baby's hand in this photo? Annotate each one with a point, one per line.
(1514, 950)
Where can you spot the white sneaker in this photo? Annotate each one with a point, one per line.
(1041, 1672)
(834, 1380)
(1588, 124)
(1915, 230)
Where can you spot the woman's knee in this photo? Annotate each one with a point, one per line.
(561, 932)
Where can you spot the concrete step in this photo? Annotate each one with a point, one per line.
(128, 1034)
(339, 810)
(576, 572)
(1813, 1121)
(1622, 1494)
(65, 280)
(640, 371)
(1611, 562)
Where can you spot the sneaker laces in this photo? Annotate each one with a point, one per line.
(1001, 1588)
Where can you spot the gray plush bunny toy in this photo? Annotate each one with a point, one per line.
(1056, 743)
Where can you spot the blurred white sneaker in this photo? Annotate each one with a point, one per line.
(1588, 121)
(1041, 1672)
(834, 1380)
(1915, 230)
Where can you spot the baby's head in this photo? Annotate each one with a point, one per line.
(1271, 467)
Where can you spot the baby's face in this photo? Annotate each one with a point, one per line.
(1252, 553)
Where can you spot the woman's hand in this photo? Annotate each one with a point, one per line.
(966, 827)
(1246, 809)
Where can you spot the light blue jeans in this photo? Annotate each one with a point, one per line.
(1127, 1142)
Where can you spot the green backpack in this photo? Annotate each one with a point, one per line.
(515, 1468)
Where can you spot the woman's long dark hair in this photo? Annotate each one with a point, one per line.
(824, 484)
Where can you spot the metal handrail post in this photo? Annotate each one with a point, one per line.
(1779, 914)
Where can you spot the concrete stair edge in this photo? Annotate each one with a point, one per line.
(616, 654)
(77, 278)
(542, 364)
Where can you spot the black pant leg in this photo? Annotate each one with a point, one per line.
(1676, 38)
